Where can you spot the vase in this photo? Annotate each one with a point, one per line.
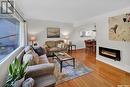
(18, 83)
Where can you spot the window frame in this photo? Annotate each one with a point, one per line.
(21, 40)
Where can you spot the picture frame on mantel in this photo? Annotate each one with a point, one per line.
(53, 32)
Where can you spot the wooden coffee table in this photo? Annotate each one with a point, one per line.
(62, 57)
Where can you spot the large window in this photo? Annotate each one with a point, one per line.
(9, 36)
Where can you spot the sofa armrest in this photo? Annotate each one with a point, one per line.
(40, 70)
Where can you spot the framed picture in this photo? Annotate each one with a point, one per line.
(53, 32)
(119, 27)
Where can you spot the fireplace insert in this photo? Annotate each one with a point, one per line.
(110, 53)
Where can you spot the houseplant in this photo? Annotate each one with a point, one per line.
(16, 73)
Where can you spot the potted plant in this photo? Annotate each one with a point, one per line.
(16, 74)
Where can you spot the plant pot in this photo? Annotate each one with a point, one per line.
(18, 83)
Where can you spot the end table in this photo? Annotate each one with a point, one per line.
(70, 47)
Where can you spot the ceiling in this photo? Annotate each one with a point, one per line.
(69, 11)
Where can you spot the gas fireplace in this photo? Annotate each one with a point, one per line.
(110, 53)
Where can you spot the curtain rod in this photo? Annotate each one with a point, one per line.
(17, 11)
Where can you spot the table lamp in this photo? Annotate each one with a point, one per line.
(66, 39)
(32, 39)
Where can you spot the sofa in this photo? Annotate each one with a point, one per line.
(55, 46)
(41, 71)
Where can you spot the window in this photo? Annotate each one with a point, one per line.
(9, 36)
(88, 33)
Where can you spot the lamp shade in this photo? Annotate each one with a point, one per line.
(32, 38)
(66, 36)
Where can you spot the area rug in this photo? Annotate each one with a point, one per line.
(68, 72)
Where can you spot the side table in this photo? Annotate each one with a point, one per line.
(70, 47)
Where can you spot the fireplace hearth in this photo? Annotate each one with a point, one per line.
(110, 53)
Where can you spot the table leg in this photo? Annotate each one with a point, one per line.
(61, 66)
(75, 48)
(74, 63)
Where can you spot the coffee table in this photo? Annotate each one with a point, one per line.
(62, 57)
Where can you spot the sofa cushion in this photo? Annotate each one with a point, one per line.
(51, 44)
(35, 58)
(54, 49)
(43, 59)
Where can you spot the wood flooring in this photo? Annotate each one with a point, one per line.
(103, 75)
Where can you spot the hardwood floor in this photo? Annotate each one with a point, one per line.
(103, 75)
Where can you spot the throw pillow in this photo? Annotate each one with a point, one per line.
(63, 45)
(28, 82)
(39, 50)
(59, 45)
(31, 57)
(28, 58)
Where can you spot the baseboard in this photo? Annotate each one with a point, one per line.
(122, 67)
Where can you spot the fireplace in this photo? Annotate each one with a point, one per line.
(110, 53)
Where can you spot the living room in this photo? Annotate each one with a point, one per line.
(66, 24)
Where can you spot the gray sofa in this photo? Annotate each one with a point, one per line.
(42, 73)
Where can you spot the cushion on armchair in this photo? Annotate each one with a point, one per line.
(43, 59)
(40, 70)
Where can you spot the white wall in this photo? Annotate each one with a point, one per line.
(39, 28)
(102, 38)
(79, 41)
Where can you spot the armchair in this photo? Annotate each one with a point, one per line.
(42, 75)
(41, 71)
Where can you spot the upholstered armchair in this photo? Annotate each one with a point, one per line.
(41, 71)
(43, 75)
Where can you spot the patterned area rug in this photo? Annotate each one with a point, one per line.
(68, 72)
